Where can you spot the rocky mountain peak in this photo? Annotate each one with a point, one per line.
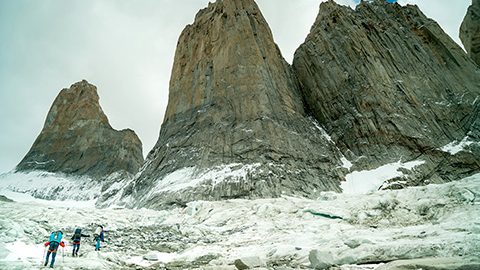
(235, 118)
(228, 37)
(389, 85)
(76, 105)
(470, 31)
(78, 139)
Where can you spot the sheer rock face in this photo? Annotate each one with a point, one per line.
(389, 84)
(78, 139)
(470, 31)
(234, 100)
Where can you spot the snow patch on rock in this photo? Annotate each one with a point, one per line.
(362, 182)
(346, 163)
(191, 177)
(456, 147)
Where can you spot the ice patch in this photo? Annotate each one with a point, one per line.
(455, 147)
(362, 182)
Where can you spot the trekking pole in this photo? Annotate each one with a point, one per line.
(63, 255)
(43, 256)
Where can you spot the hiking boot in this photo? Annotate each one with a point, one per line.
(45, 264)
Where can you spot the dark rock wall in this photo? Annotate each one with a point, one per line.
(389, 84)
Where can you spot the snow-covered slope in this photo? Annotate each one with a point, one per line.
(109, 191)
(60, 187)
(346, 229)
(50, 186)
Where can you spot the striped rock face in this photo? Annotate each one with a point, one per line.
(389, 85)
(235, 106)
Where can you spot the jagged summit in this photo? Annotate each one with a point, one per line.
(390, 85)
(229, 37)
(83, 96)
(234, 107)
(470, 31)
(78, 139)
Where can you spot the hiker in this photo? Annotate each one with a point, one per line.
(53, 243)
(98, 237)
(77, 236)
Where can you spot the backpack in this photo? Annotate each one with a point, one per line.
(56, 236)
(77, 235)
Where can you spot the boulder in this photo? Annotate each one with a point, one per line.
(5, 199)
(249, 263)
(320, 259)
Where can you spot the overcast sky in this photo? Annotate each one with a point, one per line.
(126, 49)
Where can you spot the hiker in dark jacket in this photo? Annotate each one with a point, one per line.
(77, 236)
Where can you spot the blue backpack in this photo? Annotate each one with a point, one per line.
(56, 236)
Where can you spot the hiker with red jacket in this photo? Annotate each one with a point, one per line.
(55, 241)
(77, 236)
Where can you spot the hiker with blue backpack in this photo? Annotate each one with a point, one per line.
(98, 237)
(53, 243)
(77, 236)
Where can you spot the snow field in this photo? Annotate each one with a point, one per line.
(431, 221)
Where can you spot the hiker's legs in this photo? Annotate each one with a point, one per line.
(53, 249)
(76, 247)
(54, 254)
(46, 258)
(97, 245)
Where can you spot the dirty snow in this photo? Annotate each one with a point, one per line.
(431, 221)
